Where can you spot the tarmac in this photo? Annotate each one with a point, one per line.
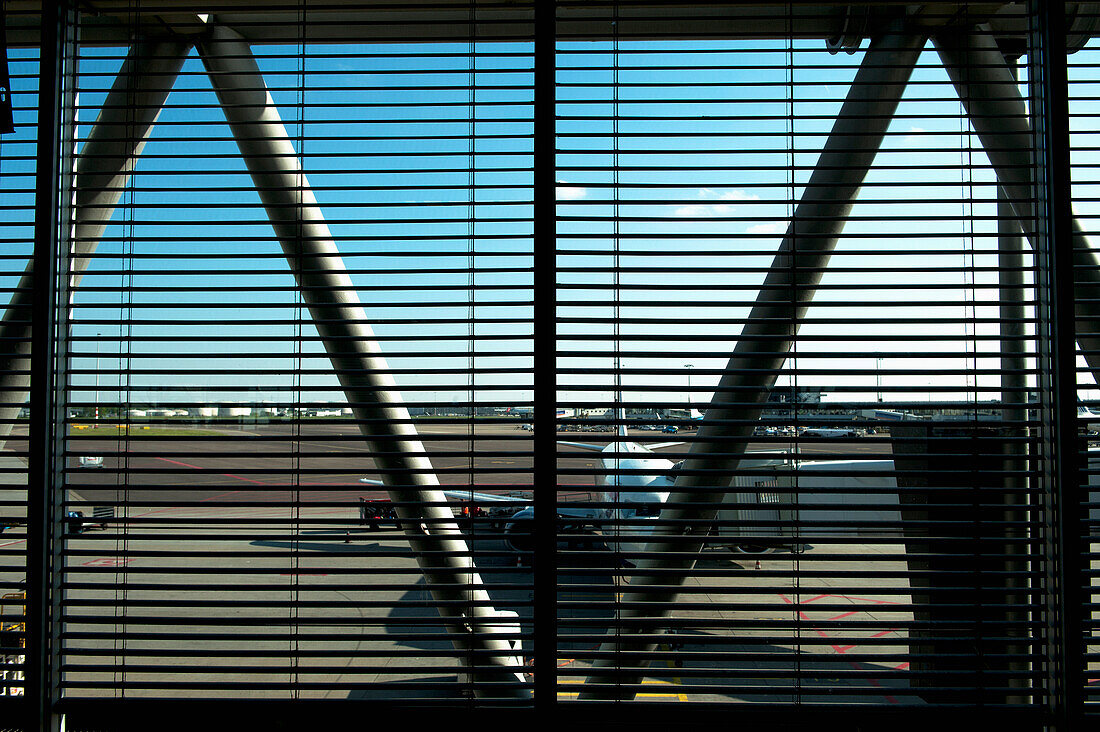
(203, 587)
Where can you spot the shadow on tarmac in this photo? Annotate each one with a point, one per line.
(586, 592)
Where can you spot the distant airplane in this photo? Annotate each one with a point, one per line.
(829, 432)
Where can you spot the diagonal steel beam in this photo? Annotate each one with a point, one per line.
(103, 169)
(333, 303)
(762, 347)
(991, 96)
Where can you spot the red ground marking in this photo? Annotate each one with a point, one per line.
(227, 475)
(220, 495)
(208, 498)
(875, 683)
(201, 500)
(13, 543)
(108, 562)
(858, 599)
(843, 649)
(844, 615)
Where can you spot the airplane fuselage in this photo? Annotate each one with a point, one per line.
(635, 484)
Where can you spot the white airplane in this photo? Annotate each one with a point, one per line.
(829, 432)
(635, 480)
(635, 484)
(1091, 418)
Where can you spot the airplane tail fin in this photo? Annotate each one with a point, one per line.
(620, 412)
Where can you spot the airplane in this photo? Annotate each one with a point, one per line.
(1090, 417)
(829, 432)
(635, 484)
(694, 416)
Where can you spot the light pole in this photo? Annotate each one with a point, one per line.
(689, 367)
(97, 335)
(878, 377)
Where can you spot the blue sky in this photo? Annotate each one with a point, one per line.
(761, 119)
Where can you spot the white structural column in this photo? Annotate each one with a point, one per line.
(991, 96)
(103, 168)
(371, 391)
(764, 343)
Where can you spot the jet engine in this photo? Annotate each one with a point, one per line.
(519, 531)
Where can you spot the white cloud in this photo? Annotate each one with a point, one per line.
(693, 211)
(915, 134)
(739, 195)
(763, 229)
(735, 194)
(705, 210)
(571, 193)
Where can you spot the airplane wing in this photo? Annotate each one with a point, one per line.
(659, 445)
(584, 446)
(461, 495)
(569, 511)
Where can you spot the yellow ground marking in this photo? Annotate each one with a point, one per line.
(676, 680)
(643, 695)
